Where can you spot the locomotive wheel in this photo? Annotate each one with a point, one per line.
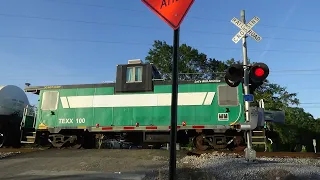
(198, 142)
(76, 146)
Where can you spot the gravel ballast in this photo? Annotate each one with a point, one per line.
(7, 154)
(222, 166)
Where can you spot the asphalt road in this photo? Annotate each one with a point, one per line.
(83, 164)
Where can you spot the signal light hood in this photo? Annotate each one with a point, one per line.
(234, 75)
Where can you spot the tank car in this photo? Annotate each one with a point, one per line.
(13, 100)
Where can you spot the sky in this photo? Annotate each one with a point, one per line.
(54, 42)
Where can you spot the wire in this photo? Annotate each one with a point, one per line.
(82, 76)
(102, 73)
(71, 40)
(310, 103)
(140, 43)
(277, 72)
(296, 70)
(192, 17)
(143, 27)
(305, 107)
(280, 74)
(94, 5)
(75, 21)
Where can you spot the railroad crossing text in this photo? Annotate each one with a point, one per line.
(254, 35)
(247, 26)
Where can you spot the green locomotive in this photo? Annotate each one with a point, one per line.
(137, 105)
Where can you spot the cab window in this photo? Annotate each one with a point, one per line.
(50, 100)
(228, 96)
(134, 74)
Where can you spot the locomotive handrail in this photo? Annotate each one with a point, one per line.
(239, 115)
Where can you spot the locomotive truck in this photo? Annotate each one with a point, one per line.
(137, 107)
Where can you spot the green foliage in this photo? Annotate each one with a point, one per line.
(190, 145)
(192, 64)
(269, 147)
(300, 127)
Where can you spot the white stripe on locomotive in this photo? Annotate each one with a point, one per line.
(137, 100)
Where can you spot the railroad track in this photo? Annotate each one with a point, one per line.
(23, 149)
(289, 154)
(239, 152)
(20, 150)
(261, 154)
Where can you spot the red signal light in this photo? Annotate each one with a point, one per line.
(259, 72)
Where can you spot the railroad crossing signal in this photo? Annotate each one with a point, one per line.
(258, 72)
(246, 29)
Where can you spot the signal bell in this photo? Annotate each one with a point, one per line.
(234, 75)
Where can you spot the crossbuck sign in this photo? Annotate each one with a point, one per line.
(246, 29)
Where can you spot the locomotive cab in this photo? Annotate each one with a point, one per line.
(136, 77)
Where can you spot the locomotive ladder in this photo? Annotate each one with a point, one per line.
(259, 134)
(259, 137)
(28, 133)
(28, 138)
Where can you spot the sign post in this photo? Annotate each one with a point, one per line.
(244, 30)
(172, 12)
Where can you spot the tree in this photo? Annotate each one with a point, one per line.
(192, 64)
(275, 96)
(300, 128)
